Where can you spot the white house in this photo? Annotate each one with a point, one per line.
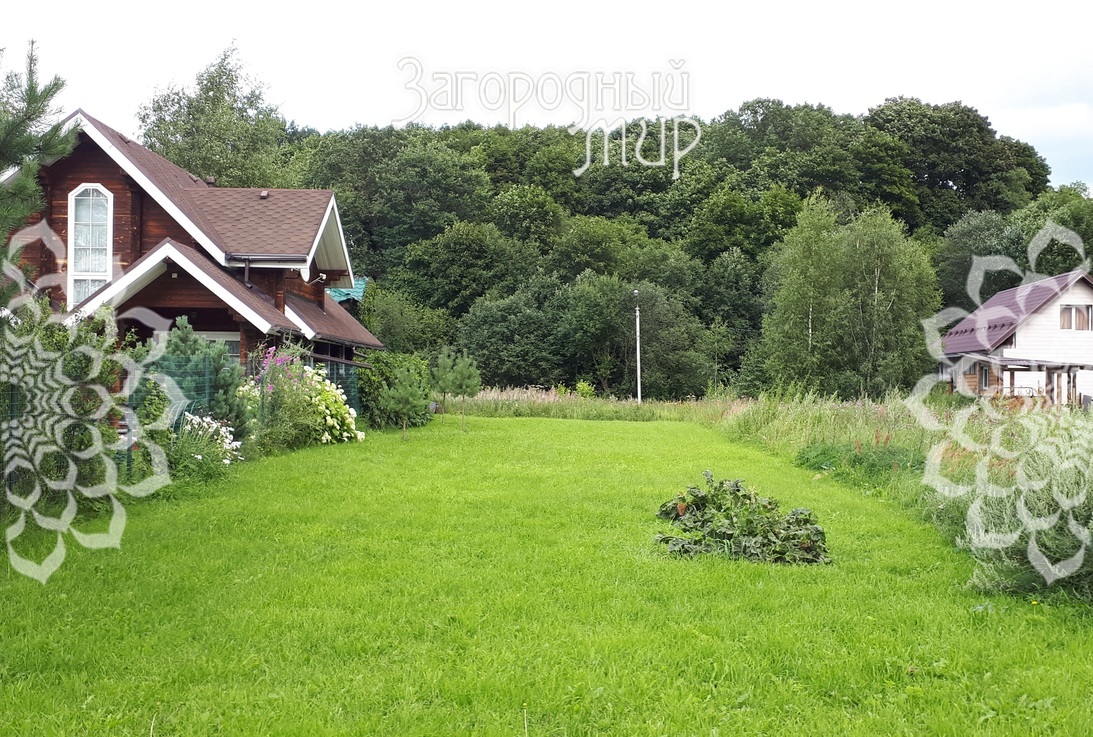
(1036, 338)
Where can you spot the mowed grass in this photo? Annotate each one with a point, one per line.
(436, 586)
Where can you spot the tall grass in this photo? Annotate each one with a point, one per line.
(786, 423)
(549, 403)
(780, 422)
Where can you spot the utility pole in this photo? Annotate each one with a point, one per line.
(637, 333)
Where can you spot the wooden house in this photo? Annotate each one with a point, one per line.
(1034, 339)
(124, 227)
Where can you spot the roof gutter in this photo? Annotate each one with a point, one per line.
(265, 258)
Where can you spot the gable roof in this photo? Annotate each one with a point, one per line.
(285, 222)
(998, 318)
(253, 305)
(302, 317)
(286, 228)
(334, 323)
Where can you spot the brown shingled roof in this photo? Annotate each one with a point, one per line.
(283, 223)
(173, 181)
(253, 299)
(998, 318)
(286, 223)
(333, 324)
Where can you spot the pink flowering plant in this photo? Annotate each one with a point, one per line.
(295, 405)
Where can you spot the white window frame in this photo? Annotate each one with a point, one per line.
(216, 336)
(1072, 312)
(72, 275)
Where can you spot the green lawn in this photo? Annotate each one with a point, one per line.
(435, 586)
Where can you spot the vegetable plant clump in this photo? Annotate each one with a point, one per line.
(729, 519)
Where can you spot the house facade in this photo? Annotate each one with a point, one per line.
(124, 227)
(1034, 339)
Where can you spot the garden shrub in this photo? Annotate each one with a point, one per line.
(729, 519)
(382, 372)
(202, 449)
(295, 405)
(585, 390)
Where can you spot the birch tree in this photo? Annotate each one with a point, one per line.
(847, 304)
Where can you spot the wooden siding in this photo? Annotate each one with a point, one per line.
(175, 289)
(315, 292)
(156, 225)
(88, 164)
(279, 282)
(139, 223)
(995, 382)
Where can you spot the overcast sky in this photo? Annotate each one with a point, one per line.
(330, 67)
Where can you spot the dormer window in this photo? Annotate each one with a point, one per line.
(90, 235)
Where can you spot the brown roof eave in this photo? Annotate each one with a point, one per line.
(324, 338)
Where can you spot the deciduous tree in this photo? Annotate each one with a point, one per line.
(467, 260)
(957, 161)
(848, 302)
(221, 128)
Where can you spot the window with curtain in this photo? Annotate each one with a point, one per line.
(1074, 317)
(90, 226)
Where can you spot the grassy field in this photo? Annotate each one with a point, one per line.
(436, 586)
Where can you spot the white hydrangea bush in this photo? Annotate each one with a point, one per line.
(295, 405)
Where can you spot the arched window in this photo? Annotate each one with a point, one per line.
(90, 235)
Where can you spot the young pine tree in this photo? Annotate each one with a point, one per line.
(443, 373)
(466, 382)
(205, 372)
(27, 138)
(404, 396)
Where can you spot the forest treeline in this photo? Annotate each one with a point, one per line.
(797, 245)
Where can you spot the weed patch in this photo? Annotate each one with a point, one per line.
(729, 519)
